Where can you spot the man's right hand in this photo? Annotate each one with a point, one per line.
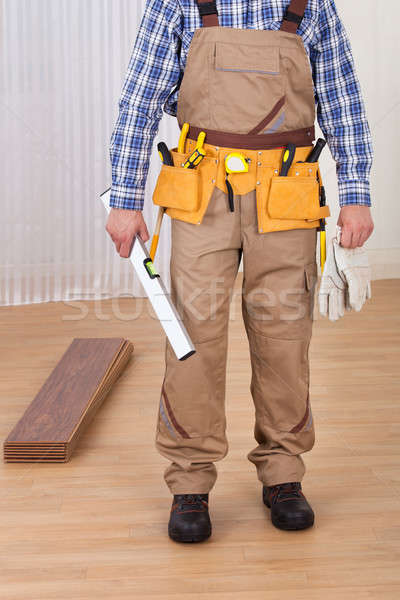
(123, 225)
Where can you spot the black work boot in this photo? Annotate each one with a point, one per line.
(189, 520)
(289, 508)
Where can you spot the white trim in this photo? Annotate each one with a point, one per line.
(385, 263)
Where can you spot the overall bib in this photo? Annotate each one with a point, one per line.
(250, 91)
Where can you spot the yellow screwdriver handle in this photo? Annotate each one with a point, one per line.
(322, 242)
(182, 138)
(200, 140)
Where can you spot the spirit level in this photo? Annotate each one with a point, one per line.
(158, 295)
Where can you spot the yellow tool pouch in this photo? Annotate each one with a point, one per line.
(291, 202)
(185, 193)
(283, 203)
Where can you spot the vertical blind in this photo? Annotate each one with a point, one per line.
(62, 67)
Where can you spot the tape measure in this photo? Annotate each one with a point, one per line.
(235, 162)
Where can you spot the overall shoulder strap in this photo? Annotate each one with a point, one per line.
(208, 12)
(294, 16)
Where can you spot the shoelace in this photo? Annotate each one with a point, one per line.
(286, 491)
(191, 501)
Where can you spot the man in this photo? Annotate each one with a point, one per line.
(248, 84)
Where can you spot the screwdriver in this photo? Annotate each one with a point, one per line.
(165, 154)
(287, 160)
(316, 151)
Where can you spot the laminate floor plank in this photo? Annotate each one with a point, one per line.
(52, 424)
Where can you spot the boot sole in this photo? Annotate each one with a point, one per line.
(189, 538)
(294, 526)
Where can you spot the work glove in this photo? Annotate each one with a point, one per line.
(333, 289)
(353, 268)
(346, 280)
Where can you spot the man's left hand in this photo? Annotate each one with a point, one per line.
(357, 225)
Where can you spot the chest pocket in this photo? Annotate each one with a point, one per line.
(244, 58)
(245, 85)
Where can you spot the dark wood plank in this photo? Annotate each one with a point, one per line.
(69, 398)
(103, 390)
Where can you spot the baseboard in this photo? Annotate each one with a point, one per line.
(385, 264)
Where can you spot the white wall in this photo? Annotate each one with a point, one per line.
(374, 34)
(62, 63)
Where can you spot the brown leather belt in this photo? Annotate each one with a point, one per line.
(299, 137)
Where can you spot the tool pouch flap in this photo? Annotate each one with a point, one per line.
(177, 187)
(295, 198)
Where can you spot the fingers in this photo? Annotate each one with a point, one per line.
(354, 236)
(123, 244)
(362, 238)
(357, 225)
(125, 247)
(117, 242)
(346, 237)
(143, 232)
(355, 239)
(123, 226)
(365, 234)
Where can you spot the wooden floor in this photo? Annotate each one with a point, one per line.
(95, 528)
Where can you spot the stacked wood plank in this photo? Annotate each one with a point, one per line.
(67, 402)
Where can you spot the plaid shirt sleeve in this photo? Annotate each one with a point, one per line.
(153, 73)
(340, 108)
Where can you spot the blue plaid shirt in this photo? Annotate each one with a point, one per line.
(158, 62)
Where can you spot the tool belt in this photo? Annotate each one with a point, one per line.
(283, 203)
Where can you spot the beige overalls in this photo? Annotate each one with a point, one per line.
(250, 91)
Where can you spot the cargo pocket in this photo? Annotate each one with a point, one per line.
(311, 278)
(280, 381)
(311, 275)
(177, 187)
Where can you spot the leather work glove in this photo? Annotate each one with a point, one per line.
(346, 280)
(353, 268)
(332, 291)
